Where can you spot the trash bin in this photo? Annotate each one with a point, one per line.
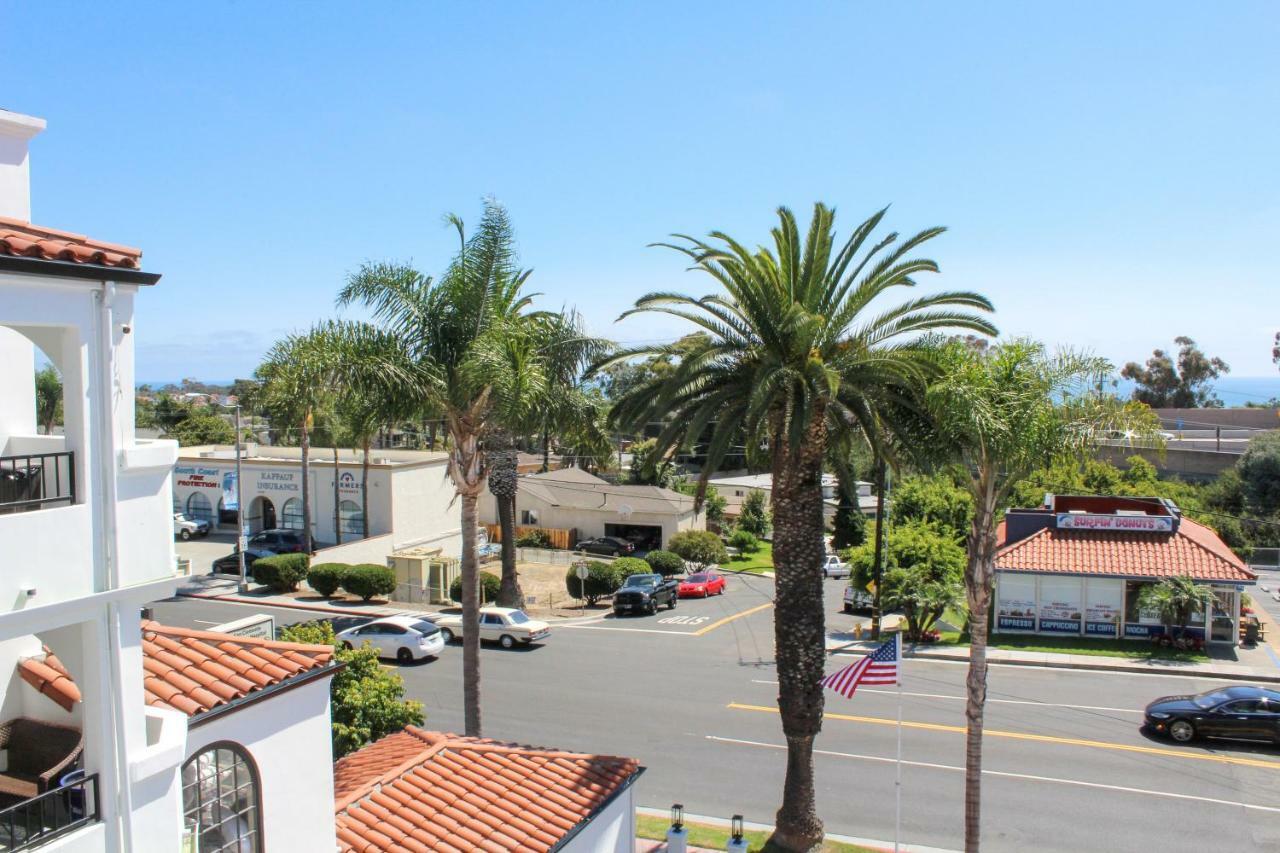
(1251, 632)
(73, 797)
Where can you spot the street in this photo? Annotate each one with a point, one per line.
(691, 693)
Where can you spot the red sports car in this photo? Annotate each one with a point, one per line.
(701, 585)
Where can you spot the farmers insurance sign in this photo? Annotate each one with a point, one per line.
(1127, 523)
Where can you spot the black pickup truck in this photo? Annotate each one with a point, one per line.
(644, 593)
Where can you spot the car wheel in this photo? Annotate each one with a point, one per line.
(653, 607)
(507, 641)
(347, 645)
(404, 656)
(848, 608)
(446, 635)
(672, 605)
(186, 534)
(1182, 731)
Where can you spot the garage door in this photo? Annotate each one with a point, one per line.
(646, 537)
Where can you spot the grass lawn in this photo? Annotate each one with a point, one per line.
(760, 561)
(1129, 649)
(715, 838)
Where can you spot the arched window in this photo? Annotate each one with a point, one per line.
(198, 507)
(291, 514)
(221, 800)
(351, 518)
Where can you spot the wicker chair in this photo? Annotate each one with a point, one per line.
(39, 754)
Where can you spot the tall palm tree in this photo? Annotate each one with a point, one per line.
(450, 329)
(793, 355)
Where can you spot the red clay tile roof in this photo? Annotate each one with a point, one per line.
(426, 791)
(51, 678)
(1195, 551)
(21, 238)
(194, 671)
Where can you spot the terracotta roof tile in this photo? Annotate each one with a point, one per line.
(50, 677)
(195, 671)
(1194, 551)
(21, 238)
(421, 790)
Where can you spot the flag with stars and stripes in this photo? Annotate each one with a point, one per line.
(879, 667)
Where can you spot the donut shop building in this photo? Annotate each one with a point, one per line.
(1077, 566)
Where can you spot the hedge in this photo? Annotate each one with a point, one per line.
(665, 563)
(282, 572)
(326, 578)
(369, 579)
(745, 541)
(603, 580)
(534, 539)
(625, 567)
(490, 585)
(699, 546)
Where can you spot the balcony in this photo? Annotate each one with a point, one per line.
(31, 823)
(35, 481)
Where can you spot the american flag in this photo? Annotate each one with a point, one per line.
(879, 667)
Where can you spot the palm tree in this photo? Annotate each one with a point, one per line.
(48, 397)
(451, 329)
(792, 356)
(1176, 599)
(1004, 412)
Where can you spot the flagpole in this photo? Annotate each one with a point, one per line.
(897, 782)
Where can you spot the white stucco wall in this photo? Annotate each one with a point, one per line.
(611, 831)
(589, 523)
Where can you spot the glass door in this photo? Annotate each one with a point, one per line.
(1223, 625)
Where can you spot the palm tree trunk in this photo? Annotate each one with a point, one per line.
(470, 619)
(546, 451)
(799, 630)
(337, 499)
(979, 580)
(305, 442)
(504, 474)
(364, 488)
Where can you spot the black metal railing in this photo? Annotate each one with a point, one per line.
(37, 480)
(42, 818)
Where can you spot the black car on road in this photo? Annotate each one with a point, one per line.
(1241, 713)
(230, 564)
(609, 546)
(282, 541)
(645, 593)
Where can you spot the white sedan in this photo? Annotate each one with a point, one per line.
(504, 625)
(405, 638)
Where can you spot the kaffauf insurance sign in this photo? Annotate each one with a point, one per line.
(1127, 523)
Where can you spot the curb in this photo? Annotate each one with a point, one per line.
(721, 823)
(235, 599)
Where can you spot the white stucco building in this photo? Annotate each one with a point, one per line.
(734, 488)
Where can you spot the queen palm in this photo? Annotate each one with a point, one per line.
(451, 328)
(792, 356)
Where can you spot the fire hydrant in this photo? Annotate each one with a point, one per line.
(857, 631)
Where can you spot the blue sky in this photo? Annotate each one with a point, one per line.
(1108, 172)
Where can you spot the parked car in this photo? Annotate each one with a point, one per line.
(856, 599)
(701, 585)
(405, 638)
(283, 541)
(1240, 713)
(230, 564)
(834, 567)
(645, 594)
(504, 625)
(609, 546)
(185, 528)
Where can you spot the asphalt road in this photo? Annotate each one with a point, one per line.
(693, 699)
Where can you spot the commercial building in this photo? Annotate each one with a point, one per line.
(1078, 565)
(734, 488)
(410, 497)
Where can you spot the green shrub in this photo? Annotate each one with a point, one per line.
(603, 580)
(745, 541)
(625, 567)
(283, 572)
(369, 579)
(326, 578)
(490, 584)
(665, 563)
(699, 546)
(536, 538)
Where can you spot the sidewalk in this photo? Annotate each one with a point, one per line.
(647, 846)
(844, 643)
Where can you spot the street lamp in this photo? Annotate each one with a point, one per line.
(737, 844)
(677, 837)
(241, 530)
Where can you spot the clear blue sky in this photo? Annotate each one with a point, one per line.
(1109, 172)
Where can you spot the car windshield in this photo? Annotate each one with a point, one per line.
(517, 617)
(424, 627)
(642, 580)
(1211, 699)
(697, 578)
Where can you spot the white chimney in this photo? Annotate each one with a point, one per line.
(16, 132)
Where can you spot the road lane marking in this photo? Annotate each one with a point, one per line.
(1027, 776)
(1002, 701)
(1065, 741)
(726, 620)
(631, 630)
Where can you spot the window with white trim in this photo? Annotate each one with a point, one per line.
(221, 800)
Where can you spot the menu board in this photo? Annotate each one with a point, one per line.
(1104, 600)
(1016, 603)
(1060, 605)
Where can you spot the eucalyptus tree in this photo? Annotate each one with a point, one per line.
(449, 329)
(1003, 412)
(793, 354)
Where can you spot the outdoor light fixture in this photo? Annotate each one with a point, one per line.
(735, 828)
(677, 815)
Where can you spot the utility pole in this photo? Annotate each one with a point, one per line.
(241, 533)
(878, 568)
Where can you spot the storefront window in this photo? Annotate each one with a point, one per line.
(1061, 605)
(291, 514)
(1016, 603)
(351, 518)
(1104, 599)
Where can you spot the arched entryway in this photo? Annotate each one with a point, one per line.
(262, 515)
(199, 508)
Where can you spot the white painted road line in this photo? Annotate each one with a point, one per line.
(1125, 673)
(881, 759)
(989, 700)
(631, 630)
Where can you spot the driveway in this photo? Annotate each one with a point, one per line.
(202, 552)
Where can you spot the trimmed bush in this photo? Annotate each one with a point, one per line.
(699, 546)
(625, 567)
(369, 579)
(490, 585)
(535, 539)
(603, 580)
(745, 541)
(283, 572)
(326, 578)
(665, 563)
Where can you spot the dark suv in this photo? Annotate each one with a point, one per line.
(609, 546)
(281, 541)
(644, 594)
